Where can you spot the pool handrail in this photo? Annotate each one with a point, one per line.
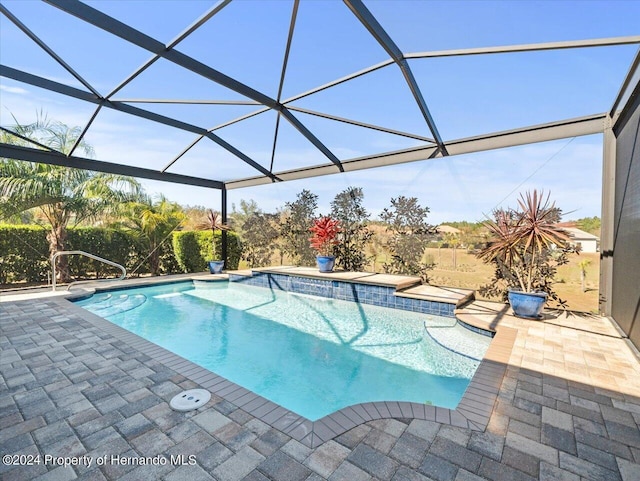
(86, 254)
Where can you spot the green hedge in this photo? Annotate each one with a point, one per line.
(187, 250)
(194, 248)
(24, 252)
(117, 246)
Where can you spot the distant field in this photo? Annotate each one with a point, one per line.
(472, 273)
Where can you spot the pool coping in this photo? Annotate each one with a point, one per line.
(473, 411)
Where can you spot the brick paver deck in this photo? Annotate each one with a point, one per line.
(568, 409)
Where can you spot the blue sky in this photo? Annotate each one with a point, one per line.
(466, 95)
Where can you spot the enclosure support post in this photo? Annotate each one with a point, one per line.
(223, 208)
(607, 218)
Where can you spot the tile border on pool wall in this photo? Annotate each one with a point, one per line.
(473, 411)
(383, 296)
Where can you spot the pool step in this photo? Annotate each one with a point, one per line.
(456, 339)
(111, 305)
(448, 295)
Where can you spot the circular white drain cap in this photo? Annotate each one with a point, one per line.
(190, 400)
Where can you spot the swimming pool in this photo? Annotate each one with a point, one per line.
(312, 355)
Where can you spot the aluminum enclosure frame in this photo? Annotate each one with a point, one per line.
(619, 298)
(434, 145)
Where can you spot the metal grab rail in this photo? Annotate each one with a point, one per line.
(86, 254)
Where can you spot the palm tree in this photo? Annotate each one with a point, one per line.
(61, 195)
(453, 241)
(583, 264)
(153, 222)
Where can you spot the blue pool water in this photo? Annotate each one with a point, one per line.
(312, 355)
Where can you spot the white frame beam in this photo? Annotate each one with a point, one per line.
(589, 125)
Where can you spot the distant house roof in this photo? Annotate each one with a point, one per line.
(577, 234)
(564, 225)
(447, 229)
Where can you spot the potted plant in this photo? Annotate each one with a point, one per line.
(527, 247)
(325, 231)
(214, 223)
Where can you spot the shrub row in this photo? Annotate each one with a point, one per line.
(24, 252)
(194, 248)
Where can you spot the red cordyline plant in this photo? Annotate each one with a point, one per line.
(325, 231)
(213, 223)
(527, 244)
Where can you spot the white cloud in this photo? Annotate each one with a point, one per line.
(25, 108)
(13, 90)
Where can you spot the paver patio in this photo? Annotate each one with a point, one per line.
(568, 409)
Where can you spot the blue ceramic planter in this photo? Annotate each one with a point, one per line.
(326, 263)
(528, 305)
(215, 267)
